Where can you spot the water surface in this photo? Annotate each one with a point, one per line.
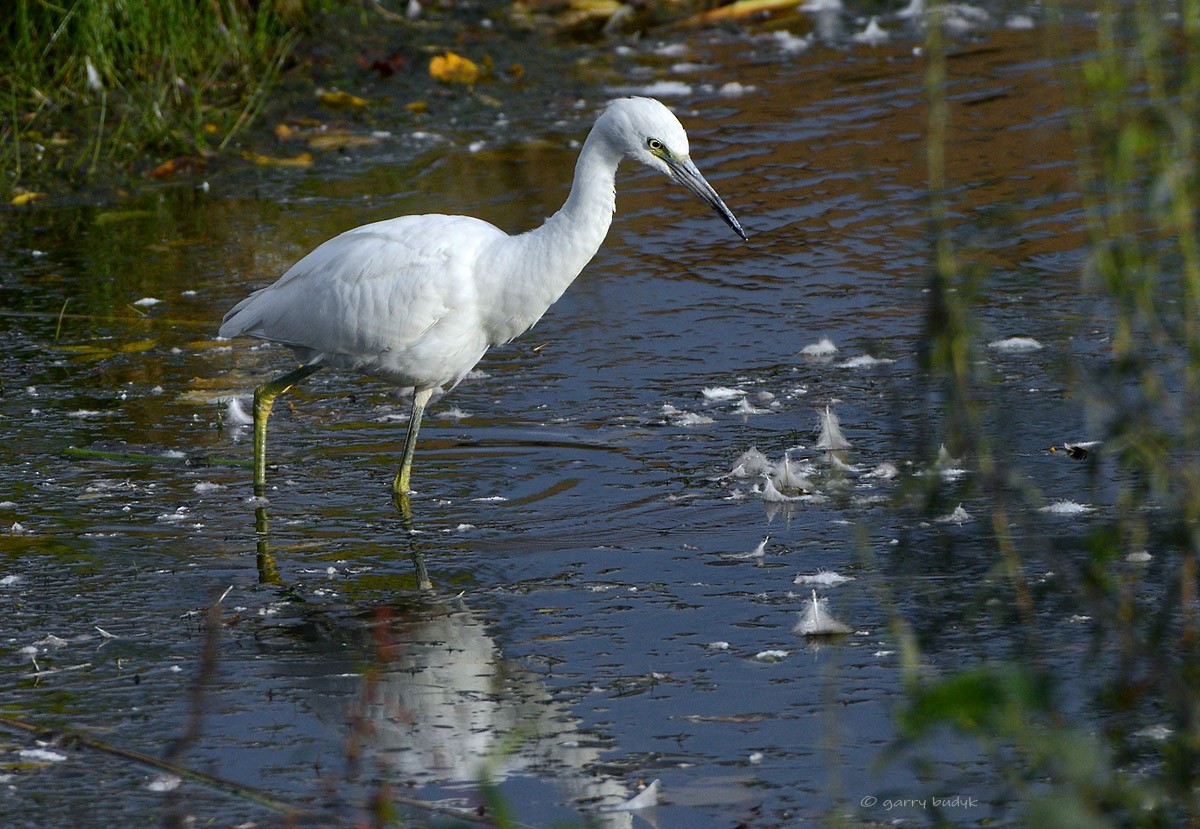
(594, 621)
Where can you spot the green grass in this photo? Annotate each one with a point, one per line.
(92, 84)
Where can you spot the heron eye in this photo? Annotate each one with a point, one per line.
(655, 145)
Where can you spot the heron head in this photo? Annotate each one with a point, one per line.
(645, 130)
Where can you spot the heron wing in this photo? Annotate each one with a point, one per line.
(371, 290)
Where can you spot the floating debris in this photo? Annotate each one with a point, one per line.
(646, 799)
(884, 471)
(958, 516)
(733, 89)
(872, 35)
(1136, 557)
(1158, 732)
(758, 552)
(1076, 451)
(790, 476)
(790, 43)
(1066, 508)
(831, 438)
(828, 578)
(658, 89)
(146, 302)
(180, 514)
(822, 349)
(235, 414)
(745, 407)
(865, 361)
(717, 646)
(816, 621)
(205, 487)
(771, 656)
(714, 394)
(771, 494)
(164, 782)
(41, 755)
(1016, 345)
(679, 417)
(750, 464)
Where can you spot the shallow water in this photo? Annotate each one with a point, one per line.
(593, 621)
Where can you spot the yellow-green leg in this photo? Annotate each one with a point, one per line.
(264, 399)
(400, 487)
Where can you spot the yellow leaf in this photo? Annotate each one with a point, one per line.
(283, 132)
(211, 129)
(738, 10)
(302, 160)
(417, 107)
(25, 198)
(340, 140)
(341, 100)
(136, 347)
(453, 68)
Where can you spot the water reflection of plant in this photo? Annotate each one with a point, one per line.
(1136, 101)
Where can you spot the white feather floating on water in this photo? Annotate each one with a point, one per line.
(958, 516)
(235, 414)
(822, 349)
(679, 417)
(758, 552)
(866, 361)
(647, 798)
(789, 476)
(790, 43)
(1016, 345)
(872, 35)
(884, 471)
(714, 394)
(771, 494)
(745, 407)
(1065, 507)
(828, 578)
(750, 464)
(831, 437)
(816, 621)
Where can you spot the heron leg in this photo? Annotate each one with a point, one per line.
(264, 399)
(400, 487)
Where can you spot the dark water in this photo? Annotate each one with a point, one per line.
(592, 623)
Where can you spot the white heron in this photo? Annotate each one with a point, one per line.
(418, 300)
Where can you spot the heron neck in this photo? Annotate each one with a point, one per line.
(539, 265)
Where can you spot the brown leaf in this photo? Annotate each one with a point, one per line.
(179, 164)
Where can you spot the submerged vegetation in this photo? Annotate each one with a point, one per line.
(1135, 96)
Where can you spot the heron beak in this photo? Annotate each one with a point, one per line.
(685, 172)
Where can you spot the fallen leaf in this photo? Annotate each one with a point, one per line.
(177, 165)
(453, 68)
(25, 198)
(386, 67)
(417, 107)
(340, 140)
(284, 133)
(302, 160)
(341, 100)
(738, 10)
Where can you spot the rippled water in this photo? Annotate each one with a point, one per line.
(594, 621)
